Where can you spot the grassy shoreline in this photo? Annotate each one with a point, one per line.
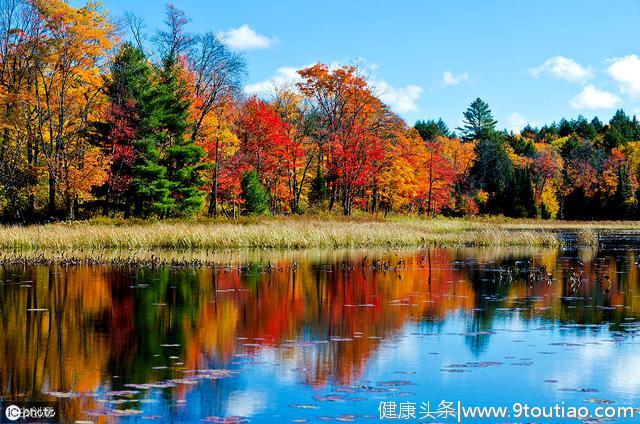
(301, 233)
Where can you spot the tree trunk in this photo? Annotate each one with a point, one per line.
(374, 199)
(52, 194)
(332, 196)
(70, 209)
(213, 202)
(346, 200)
(430, 184)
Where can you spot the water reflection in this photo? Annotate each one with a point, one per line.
(301, 334)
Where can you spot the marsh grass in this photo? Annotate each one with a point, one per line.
(299, 233)
(587, 237)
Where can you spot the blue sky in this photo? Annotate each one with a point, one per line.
(533, 61)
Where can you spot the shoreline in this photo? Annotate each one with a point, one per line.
(305, 233)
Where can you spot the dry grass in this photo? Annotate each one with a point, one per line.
(303, 232)
(286, 233)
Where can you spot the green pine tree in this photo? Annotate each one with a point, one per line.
(255, 197)
(493, 172)
(523, 201)
(150, 185)
(477, 120)
(132, 85)
(182, 157)
(431, 129)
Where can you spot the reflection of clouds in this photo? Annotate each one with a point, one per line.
(246, 404)
(579, 373)
(399, 353)
(625, 375)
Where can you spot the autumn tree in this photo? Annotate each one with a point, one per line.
(462, 156)
(547, 178)
(439, 177)
(215, 85)
(300, 150)
(347, 137)
(266, 146)
(583, 165)
(400, 182)
(67, 95)
(19, 150)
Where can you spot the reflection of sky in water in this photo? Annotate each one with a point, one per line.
(276, 331)
(264, 391)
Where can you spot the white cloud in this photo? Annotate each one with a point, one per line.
(562, 68)
(637, 112)
(400, 99)
(245, 38)
(516, 122)
(625, 71)
(449, 78)
(285, 76)
(592, 98)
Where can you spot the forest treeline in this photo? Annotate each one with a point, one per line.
(156, 125)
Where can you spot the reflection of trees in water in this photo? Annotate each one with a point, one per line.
(98, 326)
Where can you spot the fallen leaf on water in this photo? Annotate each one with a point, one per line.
(394, 383)
(600, 401)
(122, 393)
(328, 398)
(63, 395)
(302, 406)
(475, 364)
(225, 420)
(124, 412)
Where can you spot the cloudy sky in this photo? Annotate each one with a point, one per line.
(533, 62)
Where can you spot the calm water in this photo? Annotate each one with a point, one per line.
(325, 336)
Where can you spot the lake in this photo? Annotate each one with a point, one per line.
(328, 336)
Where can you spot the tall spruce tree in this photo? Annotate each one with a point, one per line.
(477, 120)
(125, 87)
(493, 172)
(523, 203)
(151, 188)
(431, 129)
(182, 157)
(255, 197)
(137, 177)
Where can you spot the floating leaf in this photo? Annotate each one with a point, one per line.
(600, 401)
(302, 406)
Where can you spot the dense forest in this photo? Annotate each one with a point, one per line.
(99, 118)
